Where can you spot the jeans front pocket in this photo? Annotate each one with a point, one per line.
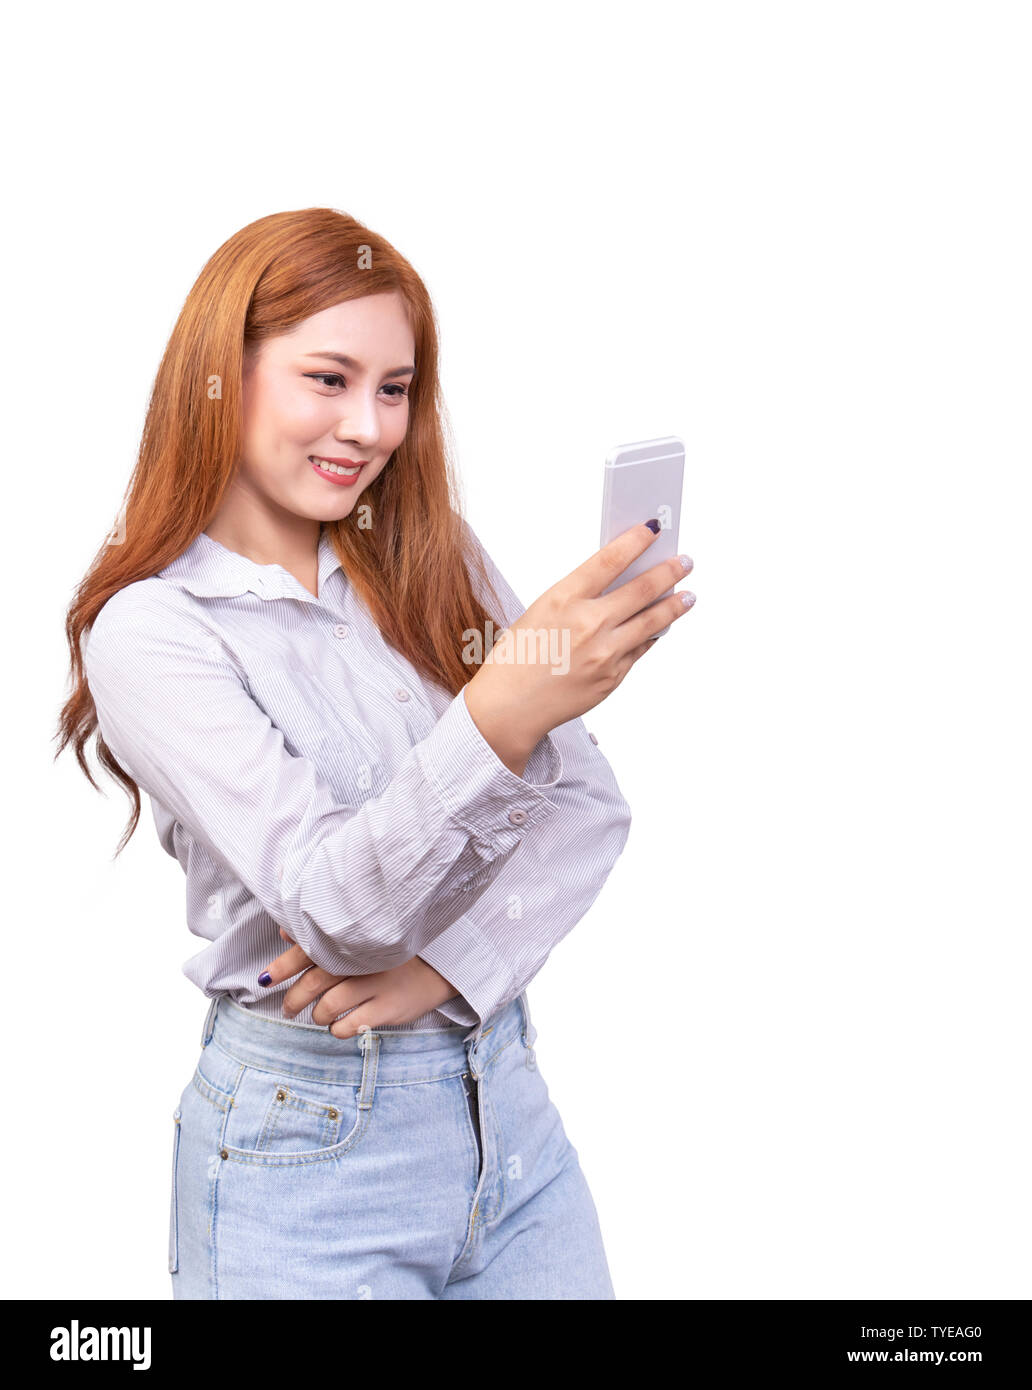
(295, 1121)
(280, 1119)
(173, 1216)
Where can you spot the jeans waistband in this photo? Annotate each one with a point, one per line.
(399, 1055)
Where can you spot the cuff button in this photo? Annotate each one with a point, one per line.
(517, 817)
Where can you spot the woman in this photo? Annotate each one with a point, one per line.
(291, 644)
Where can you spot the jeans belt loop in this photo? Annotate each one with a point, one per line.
(369, 1046)
(529, 1031)
(208, 1027)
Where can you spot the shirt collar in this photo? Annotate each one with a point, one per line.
(209, 570)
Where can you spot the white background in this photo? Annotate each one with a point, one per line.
(789, 1041)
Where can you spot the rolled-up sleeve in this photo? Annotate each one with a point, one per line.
(496, 947)
(351, 884)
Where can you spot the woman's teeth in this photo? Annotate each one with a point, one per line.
(336, 467)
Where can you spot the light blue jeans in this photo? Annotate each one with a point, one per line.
(394, 1165)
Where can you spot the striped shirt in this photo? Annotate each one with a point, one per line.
(304, 774)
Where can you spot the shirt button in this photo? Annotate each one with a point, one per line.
(401, 694)
(517, 817)
(593, 738)
(341, 630)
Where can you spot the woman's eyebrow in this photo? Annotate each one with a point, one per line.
(357, 366)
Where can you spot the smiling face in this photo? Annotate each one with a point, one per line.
(330, 394)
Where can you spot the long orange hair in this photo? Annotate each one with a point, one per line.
(410, 568)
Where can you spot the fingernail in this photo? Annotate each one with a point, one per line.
(687, 598)
(653, 526)
(265, 978)
(686, 563)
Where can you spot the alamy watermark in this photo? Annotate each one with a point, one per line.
(77, 1343)
(523, 646)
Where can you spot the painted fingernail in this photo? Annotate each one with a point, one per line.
(653, 525)
(265, 978)
(686, 563)
(687, 598)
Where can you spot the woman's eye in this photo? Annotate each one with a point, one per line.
(398, 392)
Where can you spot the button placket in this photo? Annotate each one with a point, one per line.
(379, 658)
(343, 631)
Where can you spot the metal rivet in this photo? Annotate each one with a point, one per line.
(281, 1095)
(332, 1113)
(223, 1153)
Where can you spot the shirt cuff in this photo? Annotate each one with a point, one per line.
(476, 788)
(471, 964)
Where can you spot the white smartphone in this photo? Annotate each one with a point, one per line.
(642, 481)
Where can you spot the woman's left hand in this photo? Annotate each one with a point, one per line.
(399, 995)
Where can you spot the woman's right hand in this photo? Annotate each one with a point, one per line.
(515, 701)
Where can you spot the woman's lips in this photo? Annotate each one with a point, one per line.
(341, 479)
